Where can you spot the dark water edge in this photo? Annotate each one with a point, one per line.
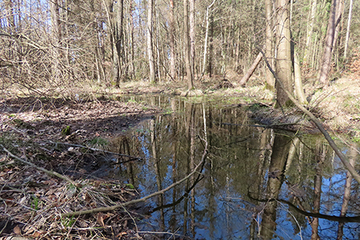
(256, 183)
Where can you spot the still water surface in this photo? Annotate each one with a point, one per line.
(250, 179)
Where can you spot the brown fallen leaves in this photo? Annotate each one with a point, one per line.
(32, 203)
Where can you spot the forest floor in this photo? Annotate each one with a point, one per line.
(58, 133)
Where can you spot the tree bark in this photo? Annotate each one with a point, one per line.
(149, 41)
(269, 46)
(283, 63)
(309, 32)
(326, 60)
(192, 35)
(172, 41)
(206, 36)
(251, 70)
(299, 90)
(348, 29)
(187, 47)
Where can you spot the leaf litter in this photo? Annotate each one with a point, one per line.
(32, 202)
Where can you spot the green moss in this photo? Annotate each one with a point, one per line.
(66, 130)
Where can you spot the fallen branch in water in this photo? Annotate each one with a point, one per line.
(319, 125)
(112, 208)
(51, 173)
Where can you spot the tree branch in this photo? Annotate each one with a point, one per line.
(112, 208)
(51, 173)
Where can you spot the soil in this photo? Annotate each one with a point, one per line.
(32, 202)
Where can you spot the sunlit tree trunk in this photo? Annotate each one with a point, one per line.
(338, 17)
(187, 47)
(251, 70)
(192, 35)
(269, 46)
(132, 42)
(149, 41)
(326, 60)
(117, 40)
(283, 63)
(299, 90)
(206, 37)
(172, 41)
(309, 32)
(56, 39)
(348, 29)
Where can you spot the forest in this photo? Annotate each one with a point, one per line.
(96, 94)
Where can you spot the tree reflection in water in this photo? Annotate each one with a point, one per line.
(256, 184)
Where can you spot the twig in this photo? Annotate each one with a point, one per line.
(52, 173)
(319, 125)
(112, 208)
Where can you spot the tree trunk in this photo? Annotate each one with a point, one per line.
(283, 61)
(251, 70)
(269, 49)
(132, 59)
(149, 41)
(309, 32)
(326, 60)
(172, 41)
(338, 16)
(192, 35)
(187, 46)
(117, 42)
(299, 90)
(56, 39)
(348, 29)
(206, 36)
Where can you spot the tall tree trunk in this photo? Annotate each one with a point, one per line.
(283, 61)
(172, 41)
(269, 46)
(56, 39)
(338, 17)
(309, 31)
(187, 47)
(348, 29)
(206, 36)
(326, 60)
(132, 53)
(149, 41)
(299, 90)
(117, 41)
(192, 35)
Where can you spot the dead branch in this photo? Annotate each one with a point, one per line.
(112, 208)
(319, 125)
(51, 173)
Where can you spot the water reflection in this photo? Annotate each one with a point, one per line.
(256, 183)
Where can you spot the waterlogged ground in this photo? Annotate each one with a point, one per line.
(255, 182)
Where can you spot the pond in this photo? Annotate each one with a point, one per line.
(255, 182)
